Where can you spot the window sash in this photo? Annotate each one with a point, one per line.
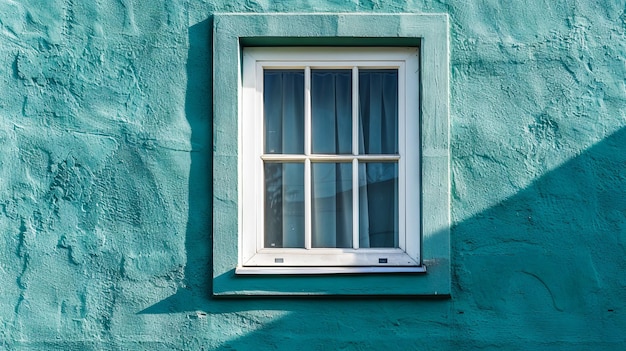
(404, 254)
(309, 158)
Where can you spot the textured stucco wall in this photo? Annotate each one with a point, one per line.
(105, 141)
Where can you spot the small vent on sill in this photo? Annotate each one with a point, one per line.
(278, 260)
(382, 260)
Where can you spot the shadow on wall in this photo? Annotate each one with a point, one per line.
(546, 265)
(198, 109)
(549, 261)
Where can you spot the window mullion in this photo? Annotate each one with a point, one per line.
(355, 203)
(307, 111)
(307, 161)
(355, 162)
(307, 203)
(355, 111)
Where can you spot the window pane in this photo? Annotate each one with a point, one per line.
(332, 205)
(331, 111)
(378, 205)
(284, 205)
(283, 101)
(378, 111)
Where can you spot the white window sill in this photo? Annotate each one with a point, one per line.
(326, 270)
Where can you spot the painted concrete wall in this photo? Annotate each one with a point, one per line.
(105, 158)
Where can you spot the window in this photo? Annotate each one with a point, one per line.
(328, 162)
(330, 167)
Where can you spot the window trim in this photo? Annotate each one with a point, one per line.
(430, 33)
(317, 260)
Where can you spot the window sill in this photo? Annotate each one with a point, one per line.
(326, 270)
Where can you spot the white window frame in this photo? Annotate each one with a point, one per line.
(253, 258)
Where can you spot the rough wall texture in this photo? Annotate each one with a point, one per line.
(105, 119)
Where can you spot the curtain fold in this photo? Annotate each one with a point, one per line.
(378, 181)
(331, 127)
(283, 102)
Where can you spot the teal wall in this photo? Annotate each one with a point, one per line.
(105, 184)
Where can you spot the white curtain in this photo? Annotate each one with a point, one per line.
(284, 182)
(331, 183)
(378, 182)
(331, 128)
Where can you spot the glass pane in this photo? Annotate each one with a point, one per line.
(332, 205)
(378, 204)
(283, 108)
(378, 111)
(331, 111)
(284, 205)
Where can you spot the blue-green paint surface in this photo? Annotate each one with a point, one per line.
(105, 184)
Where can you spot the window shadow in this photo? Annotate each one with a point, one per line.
(198, 109)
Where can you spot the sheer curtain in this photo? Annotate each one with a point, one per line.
(331, 127)
(331, 183)
(284, 182)
(378, 181)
